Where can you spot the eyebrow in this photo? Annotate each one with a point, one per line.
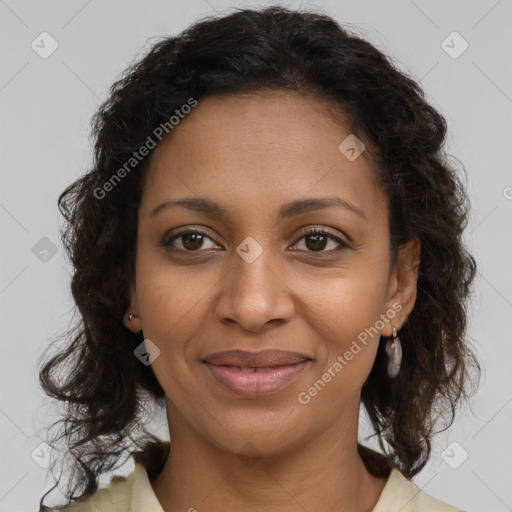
(288, 210)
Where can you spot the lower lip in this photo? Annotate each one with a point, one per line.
(259, 383)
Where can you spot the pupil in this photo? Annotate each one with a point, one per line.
(316, 244)
(197, 241)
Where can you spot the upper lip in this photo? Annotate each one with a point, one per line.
(261, 359)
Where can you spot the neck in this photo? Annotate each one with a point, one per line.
(325, 474)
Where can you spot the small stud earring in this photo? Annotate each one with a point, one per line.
(130, 317)
(394, 352)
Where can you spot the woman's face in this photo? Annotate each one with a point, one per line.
(257, 171)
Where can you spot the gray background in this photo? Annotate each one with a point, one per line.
(46, 105)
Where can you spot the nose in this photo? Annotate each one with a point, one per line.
(254, 295)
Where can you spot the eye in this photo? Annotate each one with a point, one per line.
(190, 240)
(316, 240)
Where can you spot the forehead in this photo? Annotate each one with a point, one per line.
(260, 148)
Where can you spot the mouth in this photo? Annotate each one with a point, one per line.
(256, 374)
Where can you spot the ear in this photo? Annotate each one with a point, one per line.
(134, 324)
(402, 286)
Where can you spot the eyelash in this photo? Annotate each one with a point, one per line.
(310, 232)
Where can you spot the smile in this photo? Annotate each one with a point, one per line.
(253, 382)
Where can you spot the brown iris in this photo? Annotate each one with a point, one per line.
(318, 243)
(192, 241)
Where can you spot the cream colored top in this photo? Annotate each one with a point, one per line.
(135, 494)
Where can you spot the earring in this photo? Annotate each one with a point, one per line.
(130, 317)
(394, 352)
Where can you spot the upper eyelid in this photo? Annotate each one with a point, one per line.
(185, 231)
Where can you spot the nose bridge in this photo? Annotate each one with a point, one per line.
(253, 294)
(252, 268)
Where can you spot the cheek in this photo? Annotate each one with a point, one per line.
(345, 302)
(173, 304)
(164, 295)
(346, 317)
(346, 352)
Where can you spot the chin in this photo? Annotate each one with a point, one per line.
(257, 436)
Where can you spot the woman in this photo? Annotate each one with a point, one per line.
(270, 236)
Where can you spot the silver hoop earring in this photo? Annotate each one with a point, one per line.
(394, 352)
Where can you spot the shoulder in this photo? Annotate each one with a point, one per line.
(116, 496)
(400, 494)
(123, 494)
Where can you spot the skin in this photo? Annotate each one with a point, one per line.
(253, 153)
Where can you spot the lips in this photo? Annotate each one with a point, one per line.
(255, 374)
(262, 359)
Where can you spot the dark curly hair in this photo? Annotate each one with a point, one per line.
(105, 390)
